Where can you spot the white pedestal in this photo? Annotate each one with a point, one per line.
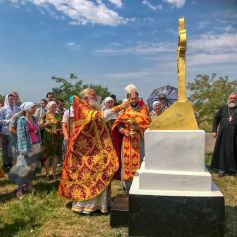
(173, 191)
(179, 150)
(173, 163)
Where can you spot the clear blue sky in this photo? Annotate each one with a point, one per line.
(112, 43)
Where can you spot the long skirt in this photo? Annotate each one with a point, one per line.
(98, 203)
(33, 159)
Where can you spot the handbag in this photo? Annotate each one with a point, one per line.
(20, 171)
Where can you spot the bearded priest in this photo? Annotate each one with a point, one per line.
(91, 159)
(131, 124)
(225, 152)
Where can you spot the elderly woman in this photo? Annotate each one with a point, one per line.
(6, 112)
(52, 140)
(163, 101)
(156, 110)
(106, 105)
(28, 144)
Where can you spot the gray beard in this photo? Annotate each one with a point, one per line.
(232, 105)
(95, 105)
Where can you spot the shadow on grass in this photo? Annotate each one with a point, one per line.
(7, 196)
(46, 187)
(40, 187)
(10, 230)
(230, 221)
(4, 181)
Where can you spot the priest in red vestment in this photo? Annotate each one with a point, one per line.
(91, 159)
(132, 123)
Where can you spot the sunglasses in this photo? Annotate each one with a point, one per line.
(162, 98)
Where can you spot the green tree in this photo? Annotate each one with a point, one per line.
(2, 97)
(73, 86)
(208, 94)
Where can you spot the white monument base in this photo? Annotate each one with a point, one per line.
(172, 193)
(173, 180)
(174, 161)
(136, 190)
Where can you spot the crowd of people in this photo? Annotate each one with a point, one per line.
(94, 142)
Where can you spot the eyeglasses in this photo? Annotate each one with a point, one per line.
(162, 98)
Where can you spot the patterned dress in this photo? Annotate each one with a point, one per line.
(52, 142)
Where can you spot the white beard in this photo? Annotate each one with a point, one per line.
(95, 105)
(232, 105)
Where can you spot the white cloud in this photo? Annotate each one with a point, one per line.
(203, 24)
(139, 49)
(70, 44)
(117, 3)
(73, 46)
(152, 6)
(213, 49)
(205, 59)
(176, 3)
(205, 50)
(130, 75)
(81, 11)
(212, 43)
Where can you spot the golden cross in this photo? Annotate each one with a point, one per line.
(180, 116)
(181, 62)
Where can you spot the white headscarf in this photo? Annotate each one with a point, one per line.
(13, 109)
(103, 104)
(26, 106)
(50, 104)
(155, 103)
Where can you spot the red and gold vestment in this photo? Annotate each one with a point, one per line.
(91, 159)
(131, 145)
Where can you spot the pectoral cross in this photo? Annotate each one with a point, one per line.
(230, 119)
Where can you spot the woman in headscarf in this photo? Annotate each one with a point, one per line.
(17, 98)
(52, 140)
(156, 110)
(108, 104)
(28, 144)
(6, 112)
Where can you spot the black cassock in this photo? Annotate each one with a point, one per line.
(225, 151)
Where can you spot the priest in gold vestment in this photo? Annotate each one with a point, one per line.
(91, 159)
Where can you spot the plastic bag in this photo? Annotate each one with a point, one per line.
(20, 171)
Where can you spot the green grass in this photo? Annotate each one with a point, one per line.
(44, 213)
